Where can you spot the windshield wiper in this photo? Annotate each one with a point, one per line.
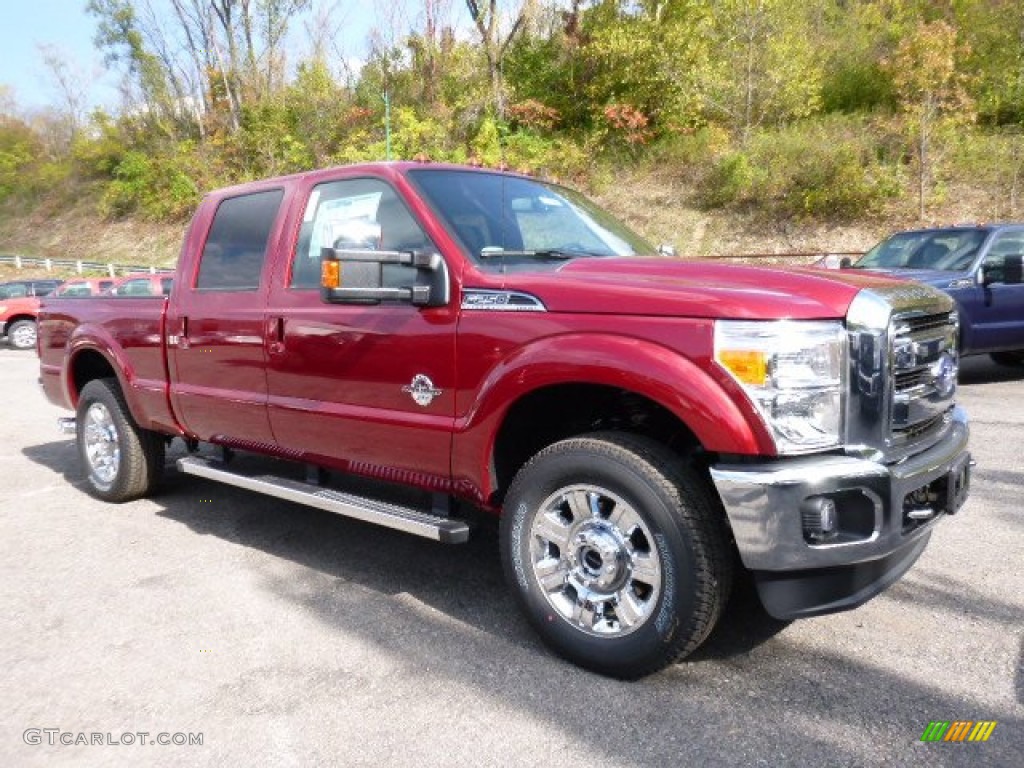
(495, 252)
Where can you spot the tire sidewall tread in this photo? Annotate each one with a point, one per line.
(675, 504)
(142, 451)
(12, 333)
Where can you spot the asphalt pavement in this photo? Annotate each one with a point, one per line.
(282, 636)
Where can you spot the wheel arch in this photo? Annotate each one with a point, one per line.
(578, 383)
(89, 358)
(18, 318)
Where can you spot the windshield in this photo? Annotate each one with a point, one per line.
(496, 215)
(951, 250)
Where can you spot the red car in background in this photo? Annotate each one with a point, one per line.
(142, 284)
(86, 286)
(19, 306)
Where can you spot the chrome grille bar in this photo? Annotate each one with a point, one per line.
(924, 364)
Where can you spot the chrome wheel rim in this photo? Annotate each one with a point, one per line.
(102, 443)
(24, 336)
(595, 560)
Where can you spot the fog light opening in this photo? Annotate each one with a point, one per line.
(819, 519)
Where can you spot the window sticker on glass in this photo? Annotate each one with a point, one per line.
(347, 222)
(314, 198)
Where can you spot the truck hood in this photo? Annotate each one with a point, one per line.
(940, 278)
(667, 287)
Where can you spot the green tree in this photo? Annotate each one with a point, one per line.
(494, 43)
(651, 56)
(19, 149)
(766, 67)
(932, 93)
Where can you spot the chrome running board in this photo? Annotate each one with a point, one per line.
(407, 519)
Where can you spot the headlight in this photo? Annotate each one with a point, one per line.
(793, 373)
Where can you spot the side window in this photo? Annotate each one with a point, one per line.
(236, 247)
(14, 291)
(1006, 244)
(76, 289)
(139, 287)
(44, 288)
(356, 214)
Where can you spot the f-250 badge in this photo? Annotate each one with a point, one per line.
(422, 390)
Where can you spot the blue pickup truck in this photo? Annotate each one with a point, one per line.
(979, 266)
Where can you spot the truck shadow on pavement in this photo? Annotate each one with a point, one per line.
(445, 616)
(465, 581)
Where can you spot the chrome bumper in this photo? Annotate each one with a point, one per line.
(763, 503)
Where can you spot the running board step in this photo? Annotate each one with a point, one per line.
(401, 518)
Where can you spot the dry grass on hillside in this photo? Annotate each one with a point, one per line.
(53, 231)
(661, 206)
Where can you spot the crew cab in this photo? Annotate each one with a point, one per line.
(980, 267)
(19, 305)
(464, 339)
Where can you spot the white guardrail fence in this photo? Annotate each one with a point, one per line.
(77, 265)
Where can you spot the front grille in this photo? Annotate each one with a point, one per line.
(905, 325)
(906, 381)
(921, 428)
(923, 360)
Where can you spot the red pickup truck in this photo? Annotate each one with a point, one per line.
(642, 425)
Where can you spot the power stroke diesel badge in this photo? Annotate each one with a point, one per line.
(422, 390)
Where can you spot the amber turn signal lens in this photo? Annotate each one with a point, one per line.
(749, 366)
(330, 274)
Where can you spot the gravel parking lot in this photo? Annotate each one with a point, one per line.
(288, 636)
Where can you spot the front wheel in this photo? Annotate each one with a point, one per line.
(617, 554)
(122, 461)
(1011, 359)
(22, 334)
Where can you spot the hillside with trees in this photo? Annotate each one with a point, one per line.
(756, 118)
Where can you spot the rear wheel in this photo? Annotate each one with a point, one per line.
(22, 334)
(617, 553)
(1012, 359)
(122, 461)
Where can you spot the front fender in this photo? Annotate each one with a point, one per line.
(722, 423)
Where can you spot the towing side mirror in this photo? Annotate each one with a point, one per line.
(1009, 272)
(1012, 268)
(356, 276)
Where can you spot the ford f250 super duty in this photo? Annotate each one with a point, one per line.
(489, 341)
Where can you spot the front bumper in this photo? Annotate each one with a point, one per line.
(876, 540)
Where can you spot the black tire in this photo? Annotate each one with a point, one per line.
(22, 334)
(139, 463)
(676, 525)
(1010, 359)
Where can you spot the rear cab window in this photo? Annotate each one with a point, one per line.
(236, 246)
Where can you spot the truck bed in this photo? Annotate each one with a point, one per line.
(129, 329)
